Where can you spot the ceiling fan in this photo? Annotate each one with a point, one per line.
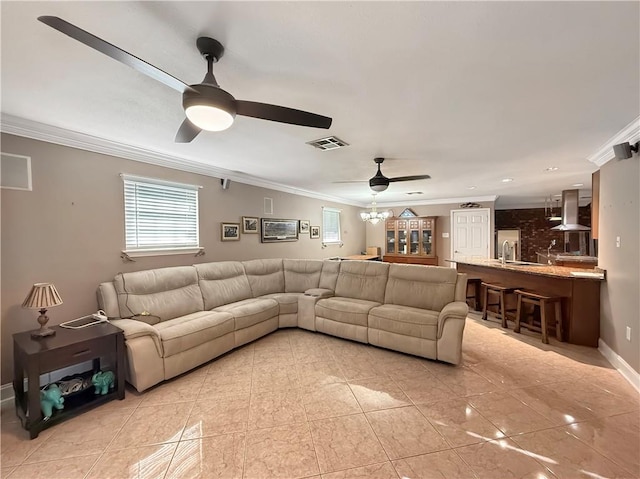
(379, 182)
(206, 105)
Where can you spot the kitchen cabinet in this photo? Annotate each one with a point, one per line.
(411, 240)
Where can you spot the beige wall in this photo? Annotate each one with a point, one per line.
(70, 230)
(619, 215)
(376, 235)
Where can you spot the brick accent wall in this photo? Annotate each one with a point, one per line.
(535, 229)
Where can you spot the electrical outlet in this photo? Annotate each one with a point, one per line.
(617, 241)
(628, 333)
(445, 235)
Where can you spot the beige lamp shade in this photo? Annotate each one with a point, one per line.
(42, 295)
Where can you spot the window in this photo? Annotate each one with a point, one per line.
(331, 226)
(160, 217)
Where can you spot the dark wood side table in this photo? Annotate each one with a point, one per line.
(66, 348)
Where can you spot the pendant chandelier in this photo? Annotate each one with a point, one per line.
(374, 216)
(552, 213)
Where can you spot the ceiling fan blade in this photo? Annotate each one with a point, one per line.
(282, 114)
(187, 132)
(114, 52)
(409, 178)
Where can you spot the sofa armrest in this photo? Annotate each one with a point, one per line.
(135, 329)
(454, 310)
(319, 292)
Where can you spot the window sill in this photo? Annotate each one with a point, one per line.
(332, 243)
(136, 253)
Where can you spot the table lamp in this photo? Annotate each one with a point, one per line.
(42, 296)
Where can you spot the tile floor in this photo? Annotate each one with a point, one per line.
(297, 404)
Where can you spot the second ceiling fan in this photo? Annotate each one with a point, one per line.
(380, 182)
(206, 105)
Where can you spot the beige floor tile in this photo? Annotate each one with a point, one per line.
(6, 471)
(225, 386)
(311, 354)
(459, 422)
(209, 458)
(378, 393)
(503, 459)
(8, 412)
(78, 467)
(373, 471)
(132, 400)
(284, 451)
(424, 388)
(400, 367)
(509, 414)
(319, 373)
(345, 442)
(610, 381)
(183, 389)
(83, 435)
(216, 417)
(616, 437)
(148, 462)
(153, 425)
(329, 400)
(274, 376)
(354, 367)
(276, 408)
(437, 465)
(464, 382)
(276, 340)
(567, 455)
(600, 402)
(16, 445)
(273, 355)
(405, 432)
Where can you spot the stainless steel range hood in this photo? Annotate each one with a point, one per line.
(570, 212)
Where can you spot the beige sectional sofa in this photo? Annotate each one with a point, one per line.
(177, 318)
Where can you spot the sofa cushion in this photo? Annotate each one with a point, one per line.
(362, 280)
(265, 276)
(424, 287)
(288, 302)
(222, 283)
(158, 294)
(301, 274)
(251, 311)
(329, 274)
(405, 320)
(192, 330)
(345, 310)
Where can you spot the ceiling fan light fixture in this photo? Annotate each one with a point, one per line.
(210, 118)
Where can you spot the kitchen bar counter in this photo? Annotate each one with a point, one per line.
(581, 295)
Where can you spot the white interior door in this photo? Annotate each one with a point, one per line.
(471, 234)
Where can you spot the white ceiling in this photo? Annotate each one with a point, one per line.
(469, 93)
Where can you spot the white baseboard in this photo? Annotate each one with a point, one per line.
(620, 364)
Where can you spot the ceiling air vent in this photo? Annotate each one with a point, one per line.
(328, 143)
(415, 193)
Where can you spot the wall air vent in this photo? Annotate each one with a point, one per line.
(328, 143)
(415, 193)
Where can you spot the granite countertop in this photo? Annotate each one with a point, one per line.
(538, 269)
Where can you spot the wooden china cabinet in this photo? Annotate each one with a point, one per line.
(411, 240)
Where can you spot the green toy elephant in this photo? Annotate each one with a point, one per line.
(103, 381)
(51, 397)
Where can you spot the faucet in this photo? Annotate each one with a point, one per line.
(505, 245)
(551, 245)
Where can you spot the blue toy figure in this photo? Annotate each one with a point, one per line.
(51, 397)
(103, 381)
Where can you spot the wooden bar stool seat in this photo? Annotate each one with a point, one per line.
(476, 284)
(542, 301)
(501, 292)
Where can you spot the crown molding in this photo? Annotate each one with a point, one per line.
(439, 201)
(60, 136)
(604, 154)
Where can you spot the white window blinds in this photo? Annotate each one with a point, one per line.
(160, 215)
(331, 225)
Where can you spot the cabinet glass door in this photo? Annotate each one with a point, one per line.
(402, 241)
(414, 242)
(391, 242)
(426, 242)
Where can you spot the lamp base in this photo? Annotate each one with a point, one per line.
(42, 333)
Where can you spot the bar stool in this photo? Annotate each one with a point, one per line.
(542, 301)
(502, 292)
(475, 293)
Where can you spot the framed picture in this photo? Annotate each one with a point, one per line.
(304, 226)
(230, 231)
(274, 230)
(315, 232)
(249, 225)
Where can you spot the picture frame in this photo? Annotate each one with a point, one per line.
(277, 230)
(315, 232)
(249, 225)
(230, 231)
(304, 226)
